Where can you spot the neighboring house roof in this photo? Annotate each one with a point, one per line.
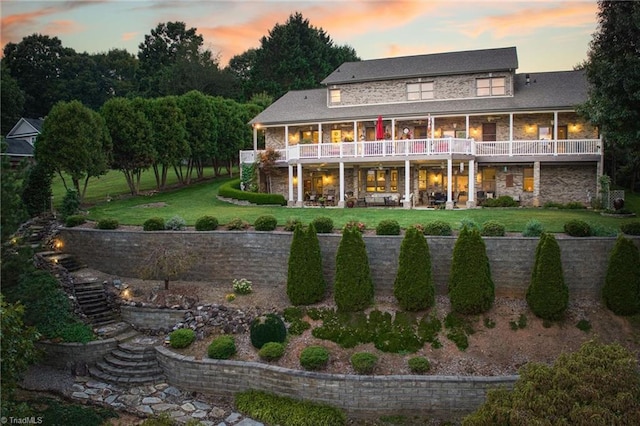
(18, 148)
(26, 127)
(546, 91)
(472, 61)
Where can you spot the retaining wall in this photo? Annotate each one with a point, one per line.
(75, 356)
(262, 257)
(359, 396)
(151, 318)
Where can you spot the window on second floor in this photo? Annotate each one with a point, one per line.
(494, 86)
(419, 91)
(334, 96)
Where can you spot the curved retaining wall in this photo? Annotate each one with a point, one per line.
(76, 356)
(262, 257)
(148, 318)
(359, 396)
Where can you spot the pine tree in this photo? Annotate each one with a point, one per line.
(305, 280)
(353, 287)
(548, 295)
(413, 287)
(471, 288)
(621, 291)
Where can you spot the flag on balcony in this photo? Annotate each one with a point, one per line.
(379, 129)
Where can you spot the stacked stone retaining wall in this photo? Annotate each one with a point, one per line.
(147, 318)
(262, 257)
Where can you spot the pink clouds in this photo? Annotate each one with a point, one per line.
(129, 36)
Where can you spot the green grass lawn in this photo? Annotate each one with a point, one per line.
(199, 199)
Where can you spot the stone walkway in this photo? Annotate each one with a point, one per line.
(146, 401)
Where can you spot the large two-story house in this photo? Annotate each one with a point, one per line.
(446, 129)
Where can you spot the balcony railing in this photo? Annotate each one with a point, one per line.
(432, 147)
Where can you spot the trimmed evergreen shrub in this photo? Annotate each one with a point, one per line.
(438, 227)
(314, 357)
(182, 338)
(388, 227)
(267, 328)
(363, 362)
(176, 223)
(631, 228)
(547, 294)
(107, 224)
(266, 223)
(577, 228)
(413, 286)
(621, 291)
(533, 228)
(291, 223)
(419, 365)
(353, 286)
(271, 351)
(471, 289)
(305, 279)
(232, 189)
(70, 204)
(503, 201)
(153, 224)
(323, 225)
(222, 347)
(237, 224)
(492, 228)
(206, 223)
(74, 220)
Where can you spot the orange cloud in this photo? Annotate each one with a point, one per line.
(129, 36)
(527, 21)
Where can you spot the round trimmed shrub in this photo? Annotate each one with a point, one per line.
(492, 228)
(323, 224)
(153, 224)
(413, 286)
(271, 351)
(176, 223)
(388, 227)
(291, 223)
(438, 227)
(182, 338)
(621, 291)
(577, 228)
(533, 228)
(266, 223)
(74, 220)
(237, 224)
(548, 294)
(419, 365)
(267, 328)
(314, 357)
(363, 362)
(206, 223)
(222, 347)
(631, 228)
(107, 224)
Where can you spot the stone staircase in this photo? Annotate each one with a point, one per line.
(133, 363)
(92, 299)
(65, 260)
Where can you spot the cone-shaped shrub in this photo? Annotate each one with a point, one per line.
(548, 295)
(471, 288)
(353, 287)
(305, 281)
(621, 291)
(413, 287)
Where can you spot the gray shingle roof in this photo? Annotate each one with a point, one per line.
(19, 147)
(472, 61)
(546, 91)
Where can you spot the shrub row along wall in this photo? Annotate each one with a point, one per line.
(442, 396)
(262, 257)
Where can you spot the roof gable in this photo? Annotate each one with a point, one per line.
(465, 62)
(26, 127)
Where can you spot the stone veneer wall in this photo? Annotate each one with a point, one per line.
(442, 396)
(262, 257)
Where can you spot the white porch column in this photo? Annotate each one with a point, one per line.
(449, 204)
(408, 200)
(341, 186)
(536, 184)
(255, 141)
(510, 126)
(555, 125)
(393, 129)
(466, 126)
(290, 201)
(319, 133)
(300, 201)
(286, 138)
(471, 197)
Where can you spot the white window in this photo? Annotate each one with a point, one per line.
(419, 91)
(334, 96)
(494, 86)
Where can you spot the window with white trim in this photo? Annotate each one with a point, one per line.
(419, 91)
(334, 96)
(494, 86)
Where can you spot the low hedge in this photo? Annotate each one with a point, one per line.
(206, 223)
(577, 228)
(74, 220)
(153, 224)
(232, 189)
(107, 224)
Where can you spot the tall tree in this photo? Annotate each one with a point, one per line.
(12, 211)
(132, 138)
(75, 141)
(293, 56)
(118, 70)
(11, 101)
(613, 72)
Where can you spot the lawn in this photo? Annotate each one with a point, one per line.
(199, 199)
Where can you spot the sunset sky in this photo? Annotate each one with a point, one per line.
(549, 35)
